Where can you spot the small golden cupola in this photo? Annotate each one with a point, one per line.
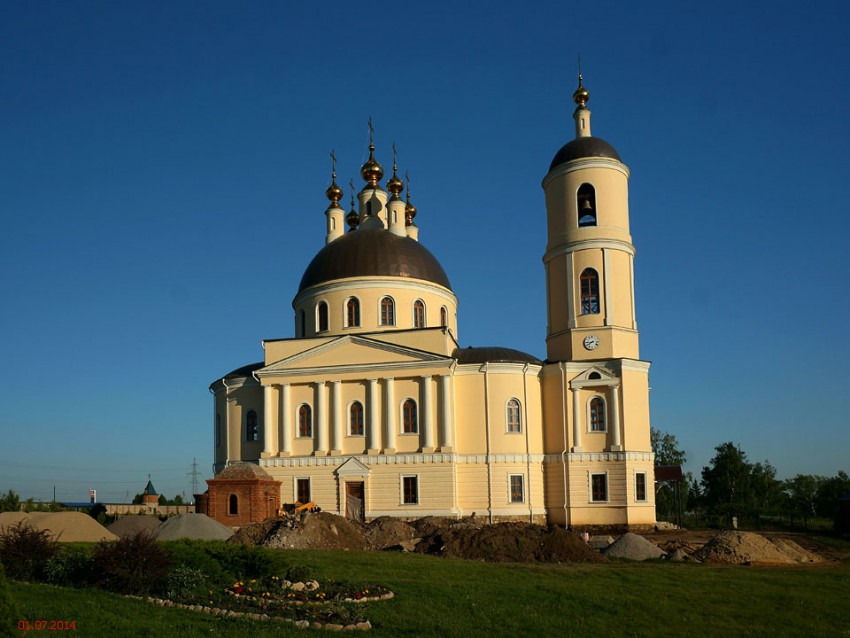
(352, 219)
(396, 206)
(334, 212)
(582, 114)
(373, 199)
(410, 213)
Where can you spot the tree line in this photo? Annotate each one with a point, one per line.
(733, 486)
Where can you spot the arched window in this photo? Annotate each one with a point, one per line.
(233, 505)
(303, 324)
(586, 202)
(410, 422)
(514, 418)
(252, 429)
(352, 313)
(323, 317)
(589, 292)
(355, 419)
(387, 311)
(597, 415)
(419, 314)
(444, 317)
(305, 421)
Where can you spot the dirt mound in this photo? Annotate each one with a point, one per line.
(65, 527)
(317, 531)
(632, 547)
(740, 548)
(509, 543)
(128, 526)
(197, 526)
(256, 533)
(386, 532)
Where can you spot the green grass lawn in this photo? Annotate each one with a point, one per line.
(446, 597)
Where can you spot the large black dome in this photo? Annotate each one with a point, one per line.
(583, 147)
(373, 252)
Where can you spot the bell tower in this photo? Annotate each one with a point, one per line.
(589, 258)
(595, 387)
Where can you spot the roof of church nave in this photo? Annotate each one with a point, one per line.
(373, 252)
(243, 470)
(493, 354)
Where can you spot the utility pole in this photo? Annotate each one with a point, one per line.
(194, 474)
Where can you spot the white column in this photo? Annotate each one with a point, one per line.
(336, 417)
(445, 413)
(373, 425)
(632, 290)
(286, 420)
(426, 415)
(571, 292)
(321, 419)
(605, 288)
(226, 428)
(268, 421)
(390, 413)
(576, 420)
(615, 419)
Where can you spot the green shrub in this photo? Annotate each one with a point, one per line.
(185, 582)
(25, 551)
(224, 563)
(9, 615)
(72, 566)
(298, 573)
(133, 565)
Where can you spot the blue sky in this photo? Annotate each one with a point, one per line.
(163, 173)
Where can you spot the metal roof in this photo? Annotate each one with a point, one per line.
(583, 147)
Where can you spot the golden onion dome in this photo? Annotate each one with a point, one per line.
(395, 185)
(334, 193)
(351, 219)
(581, 94)
(372, 172)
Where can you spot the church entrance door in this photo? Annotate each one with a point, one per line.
(355, 509)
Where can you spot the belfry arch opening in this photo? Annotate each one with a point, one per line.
(586, 205)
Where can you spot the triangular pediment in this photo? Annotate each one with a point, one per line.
(352, 351)
(594, 376)
(352, 467)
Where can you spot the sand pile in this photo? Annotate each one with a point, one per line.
(740, 548)
(632, 547)
(197, 526)
(128, 526)
(65, 527)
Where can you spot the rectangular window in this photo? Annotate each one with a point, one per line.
(302, 490)
(640, 486)
(517, 488)
(599, 488)
(410, 490)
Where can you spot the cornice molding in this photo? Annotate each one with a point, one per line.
(380, 283)
(589, 244)
(585, 163)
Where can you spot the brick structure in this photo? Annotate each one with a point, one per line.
(240, 494)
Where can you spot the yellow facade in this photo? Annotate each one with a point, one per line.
(373, 409)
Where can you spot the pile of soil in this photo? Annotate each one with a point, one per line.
(65, 527)
(633, 547)
(197, 526)
(743, 548)
(386, 532)
(316, 531)
(128, 526)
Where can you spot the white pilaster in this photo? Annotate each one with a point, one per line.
(427, 415)
(390, 412)
(268, 421)
(336, 417)
(445, 413)
(373, 424)
(576, 420)
(286, 421)
(605, 287)
(615, 419)
(321, 419)
(571, 291)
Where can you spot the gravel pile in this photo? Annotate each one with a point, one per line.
(740, 548)
(197, 526)
(128, 526)
(65, 527)
(633, 547)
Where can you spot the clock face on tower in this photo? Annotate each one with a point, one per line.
(591, 342)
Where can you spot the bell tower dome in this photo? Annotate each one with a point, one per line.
(589, 256)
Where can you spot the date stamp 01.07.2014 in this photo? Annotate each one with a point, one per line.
(47, 625)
